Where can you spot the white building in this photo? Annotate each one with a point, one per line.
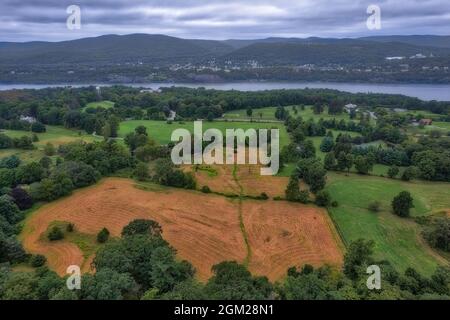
(28, 119)
(350, 107)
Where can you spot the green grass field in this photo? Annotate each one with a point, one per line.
(54, 134)
(397, 240)
(423, 113)
(162, 131)
(102, 104)
(269, 114)
(440, 126)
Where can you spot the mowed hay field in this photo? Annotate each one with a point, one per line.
(204, 229)
(283, 234)
(239, 179)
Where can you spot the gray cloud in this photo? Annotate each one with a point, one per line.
(26, 20)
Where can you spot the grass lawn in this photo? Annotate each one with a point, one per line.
(161, 131)
(426, 114)
(397, 240)
(440, 126)
(269, 114)
(103, 104)
(54, 134)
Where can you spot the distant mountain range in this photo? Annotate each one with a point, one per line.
(161, 49)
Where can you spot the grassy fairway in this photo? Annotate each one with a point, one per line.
(54, 134)
(397, 240)
(161, 131)
(269, 114)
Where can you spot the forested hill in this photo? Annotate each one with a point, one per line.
(339, 52)
(160, 49)
(111, 49)
(429, 41)
(141, 58)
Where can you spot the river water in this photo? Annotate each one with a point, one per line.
(421, 91)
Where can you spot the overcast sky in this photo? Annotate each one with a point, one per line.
(25, 20)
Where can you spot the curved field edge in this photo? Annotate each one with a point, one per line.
(397, 240)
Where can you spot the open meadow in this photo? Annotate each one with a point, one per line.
(161, 131)
(397, 240)
(55, 135)
(269, 114)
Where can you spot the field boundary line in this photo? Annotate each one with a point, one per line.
(241, 218)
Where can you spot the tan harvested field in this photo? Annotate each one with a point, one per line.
(205, 229)
(252, 183)
(283, 234)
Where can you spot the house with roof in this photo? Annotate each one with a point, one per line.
(426, 122)
(350, 107)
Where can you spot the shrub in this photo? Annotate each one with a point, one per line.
(323, 199)
(141, 171)
(438, 234)
(303, 196)
(409, 174)
(37, 260)
(335, 204)
(55, 234)
(103, 236)
(70, 227)
(263, 196)
(38, 127)
(393, 172)
(206, 189)
(49, 149)
(402, 204)
(374, 206)
(45, 162)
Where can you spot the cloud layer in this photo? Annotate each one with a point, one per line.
(27, 20)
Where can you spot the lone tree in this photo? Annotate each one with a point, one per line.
(249, 112)
(55, 234)
(103, 236)
(402, 204)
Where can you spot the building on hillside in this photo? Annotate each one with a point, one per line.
(426, 122)
(28, 119)
(350, 107)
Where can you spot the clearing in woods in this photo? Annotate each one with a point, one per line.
(204, 229)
